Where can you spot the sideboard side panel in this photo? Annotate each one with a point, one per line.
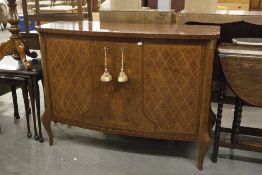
(69, 66)
(118, 106)
(172, 79)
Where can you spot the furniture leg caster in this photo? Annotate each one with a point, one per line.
(5, 25)
(16, 116)
(29, 135)
(41, 139)
(36, 137)
(214, 159)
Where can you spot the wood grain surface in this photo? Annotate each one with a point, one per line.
(167, 95)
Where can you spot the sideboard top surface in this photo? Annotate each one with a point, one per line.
(131, 30)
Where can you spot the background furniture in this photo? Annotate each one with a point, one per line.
(242, 67)
(15, 45)
(255, 4)
(3, 14)
(202, 6)
(41, 14)
(249, 25)
(15, 74)
(167, 95)
(138, 16)
(234, 4)
(31, 38)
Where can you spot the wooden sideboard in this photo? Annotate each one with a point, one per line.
(169, 69)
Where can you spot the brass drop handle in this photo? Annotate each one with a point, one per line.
(106, 77)
(122, 78)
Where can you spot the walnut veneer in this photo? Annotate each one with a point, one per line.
(169, 68)
(242, 69)
(241, 64)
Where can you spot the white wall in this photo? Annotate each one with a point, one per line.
(121, 5)
(106, 5)
(164, 4)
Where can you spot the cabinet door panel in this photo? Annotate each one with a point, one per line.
(104, 92)
(130, 94)
(70, 74)
(119, 105)
(172, 80)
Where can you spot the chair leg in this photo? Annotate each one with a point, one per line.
(26, 102)
(37, 100)
(16, 113)
(32, 99)
(237, 121)
(218, 125)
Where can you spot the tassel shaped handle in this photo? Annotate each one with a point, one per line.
(106, 77)
(122, 78)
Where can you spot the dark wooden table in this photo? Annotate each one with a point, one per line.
(242, 68)
(14, 73)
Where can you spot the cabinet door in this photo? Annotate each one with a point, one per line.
(69, 68)
(118, 105)
(172, 84)
(104, 92)
(129, 97)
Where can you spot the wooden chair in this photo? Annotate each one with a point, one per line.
(242, 67)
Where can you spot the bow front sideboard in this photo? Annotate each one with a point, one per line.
(162, 92)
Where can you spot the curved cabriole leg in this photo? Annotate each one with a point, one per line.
(218, 126)
(203, 147)
(20, 47)
(26, 102)
(16, 113)
(32, 99)
(47, 125)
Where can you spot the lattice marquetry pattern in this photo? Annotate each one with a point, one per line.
(171, 86)
(69, 70)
